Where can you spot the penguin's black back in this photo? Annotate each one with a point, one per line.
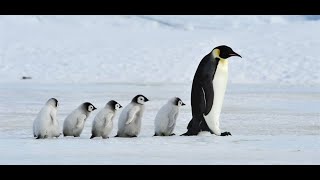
(204, 75)
(202, 80)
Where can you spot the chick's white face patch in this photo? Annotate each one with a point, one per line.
(90, 108)
(140, 100)
(117, 107)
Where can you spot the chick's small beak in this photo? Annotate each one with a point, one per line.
(234, 54)
(120, 106)
(94, 108)
(146, 100)
(183, 104)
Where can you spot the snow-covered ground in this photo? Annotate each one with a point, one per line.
(271, 106)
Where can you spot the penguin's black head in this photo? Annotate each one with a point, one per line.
(140, 99)
(89, 107)
(224, 52)
(178, 102)
(53, 102)
(114, 104)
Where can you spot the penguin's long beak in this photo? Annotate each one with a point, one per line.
(234, 54)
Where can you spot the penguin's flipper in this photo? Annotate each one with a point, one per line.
(107, 119)
(208, 93)
(172, 119)
(52, 119)
(132, 114)
(80, 120)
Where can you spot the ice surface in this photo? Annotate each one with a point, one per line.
(270, 125)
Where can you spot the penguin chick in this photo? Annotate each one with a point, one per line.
(74, 122)
(166, 118)
(46, 124)
(103, 122)
(129, 123)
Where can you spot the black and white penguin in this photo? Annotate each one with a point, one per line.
(74, 122)
(165, 120)
(207, 93)
(46, 124)
(129, 123)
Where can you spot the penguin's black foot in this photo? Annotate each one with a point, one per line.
(133, 136)
(105, 137)
(116, 135)
(92, 137)
(76, 136)
(226, 134)
(173, 134)
(155, 134)
(187, 134)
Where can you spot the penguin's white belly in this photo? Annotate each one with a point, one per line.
(220, 81)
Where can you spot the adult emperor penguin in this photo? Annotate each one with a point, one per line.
(74, 122)
(46, 124)
(129, 123)
(103, 122)
(207, 93)
(166, 117)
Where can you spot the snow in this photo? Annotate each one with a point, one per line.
(271, 105)
(269, 124)
(275, 49)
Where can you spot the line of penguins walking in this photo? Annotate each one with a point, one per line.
(207, 95)
(46, 124)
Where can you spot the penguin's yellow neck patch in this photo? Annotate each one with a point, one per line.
(216, 53)
(223, 62)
